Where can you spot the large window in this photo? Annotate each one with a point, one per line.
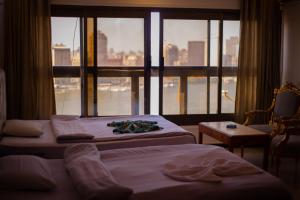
(231, 38)
(128, 61)
(66, 53)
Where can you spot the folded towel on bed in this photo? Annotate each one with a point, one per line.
(208, 167)
(89, 175)
(69, 128)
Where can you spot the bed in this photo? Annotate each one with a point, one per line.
(48, 146)
(144, 176)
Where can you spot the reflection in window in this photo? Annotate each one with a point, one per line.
(231, 39)
(185, 42)
(65, 41)
(213, 102)
(228, 94)
(67, 96)
(171, 95)
(120, 42)
(197, 95)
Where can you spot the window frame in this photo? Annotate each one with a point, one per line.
(83, 71)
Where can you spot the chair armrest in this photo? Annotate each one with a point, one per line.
(289, 122)
(290, 126)
(252, 113)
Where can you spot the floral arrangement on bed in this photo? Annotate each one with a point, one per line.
(137, 126)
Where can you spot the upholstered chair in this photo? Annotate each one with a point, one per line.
(283, 124)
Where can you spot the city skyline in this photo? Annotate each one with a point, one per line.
(194, 55)
(64, 28)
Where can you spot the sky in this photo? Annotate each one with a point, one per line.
(127, 34)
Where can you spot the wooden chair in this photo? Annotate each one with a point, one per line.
(283, 124)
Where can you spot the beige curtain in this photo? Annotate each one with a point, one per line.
(30, 90)
(259, 57)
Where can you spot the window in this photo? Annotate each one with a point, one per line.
(231, 39)
(66, 53)
(130, 61)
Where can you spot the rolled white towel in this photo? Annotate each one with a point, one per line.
(89, 175)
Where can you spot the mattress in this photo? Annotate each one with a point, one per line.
(46, 144)
(140, 169)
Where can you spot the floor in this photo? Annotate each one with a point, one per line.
(254, 155)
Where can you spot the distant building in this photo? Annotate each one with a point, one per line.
(101, 48)
(76, 58)
(231, 52)
(196, 53)
(183, 57)
(171, 54)
(61, 55)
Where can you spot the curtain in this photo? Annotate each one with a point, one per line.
(30, 90)
(259, 56)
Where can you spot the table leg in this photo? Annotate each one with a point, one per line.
(200, 137)
(230, 148)
(242, 151)
(266, 156)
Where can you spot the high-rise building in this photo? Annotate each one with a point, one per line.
(183, 57)
(196, 53)
(231, 52)
(101, 48)
(171, 54)
(61, 55)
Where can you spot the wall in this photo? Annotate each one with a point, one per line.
(291, 43)
(222, 4)
(1, 32)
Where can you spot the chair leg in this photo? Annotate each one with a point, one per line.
(296, 170)
(277, 165)
(272, 160)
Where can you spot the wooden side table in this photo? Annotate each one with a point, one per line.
(241, 136)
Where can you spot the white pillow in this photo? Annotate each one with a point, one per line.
(22, 128)
(26, 173)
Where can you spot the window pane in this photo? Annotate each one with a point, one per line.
(114, 96)
(197, 95)
(155, 39)
(171, 95)
(65, 41)
(154, 95)
(120, 42)
(231, 39)
(117, 96)
(214, 43)
(228, 94)
(185, 42)
(67, 96)
(141, 96)
(213, 107)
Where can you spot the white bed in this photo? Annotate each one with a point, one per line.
(46, 145)
(140, 169)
